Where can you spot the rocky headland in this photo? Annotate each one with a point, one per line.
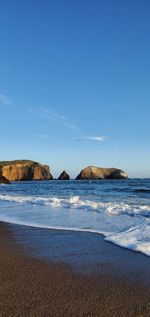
(4, 180)
(92, 172)
(64, 176)
(24, 170)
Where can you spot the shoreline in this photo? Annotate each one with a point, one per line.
(73, 278)
(67, 229)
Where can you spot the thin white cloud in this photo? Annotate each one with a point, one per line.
(95, 138)
(68, 124)
(63, 120)
(4, 100)
(60, 119)
(50, 115)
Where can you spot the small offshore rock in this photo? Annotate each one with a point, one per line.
(64, 176)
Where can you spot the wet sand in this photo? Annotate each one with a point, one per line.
(57, 273)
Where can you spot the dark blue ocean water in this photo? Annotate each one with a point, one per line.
(119, 209)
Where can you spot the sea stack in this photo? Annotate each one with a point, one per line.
(92, 172)
(64, 176)
(24, 170)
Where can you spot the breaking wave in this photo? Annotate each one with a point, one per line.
(118, 210)
(77, 203)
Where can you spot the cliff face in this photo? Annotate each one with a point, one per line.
(4, 180)
(23, 170)
(92, 172)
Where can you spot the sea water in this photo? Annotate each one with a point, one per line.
(118, 209)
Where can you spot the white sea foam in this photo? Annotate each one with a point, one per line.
(136, 238)
(76, 202)
(125, 224)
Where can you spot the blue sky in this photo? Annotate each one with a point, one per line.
(75, 83)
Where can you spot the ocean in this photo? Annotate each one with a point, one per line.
(118, 209)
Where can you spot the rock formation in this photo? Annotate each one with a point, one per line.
(24, 170)
(92, 172)
(64, 176)
(4, 180)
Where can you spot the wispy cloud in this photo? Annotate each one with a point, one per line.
(95, 138)
(65, 121)
(4, 100)
(60, 119)
(92, 138)
(50, 115)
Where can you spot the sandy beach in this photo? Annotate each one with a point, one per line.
(33, 283)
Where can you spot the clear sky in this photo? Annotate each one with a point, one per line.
(75, 83)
